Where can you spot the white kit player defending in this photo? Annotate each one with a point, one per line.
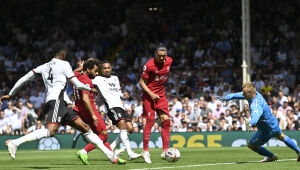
(55, 74)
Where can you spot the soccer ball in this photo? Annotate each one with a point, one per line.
(49, 144)
(172, 155)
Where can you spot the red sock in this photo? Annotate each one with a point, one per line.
(104, 137)
(165, 134)
(147, 133)
(89, 147)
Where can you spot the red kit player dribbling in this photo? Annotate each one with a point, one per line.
(153, 82)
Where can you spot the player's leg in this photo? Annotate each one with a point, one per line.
(94, 139)
(291, 144)
(149, 115)
(163, 113)
(33, 136)
(124, 127)
(118, 140)
(165, 131)
(255, 144)
(37, 134)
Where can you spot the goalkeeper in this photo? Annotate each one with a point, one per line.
(266, 122)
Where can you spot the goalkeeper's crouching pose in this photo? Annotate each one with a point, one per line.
(266, 122)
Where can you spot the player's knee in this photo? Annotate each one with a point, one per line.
(150, 120)
(52, 133)
(86, 127)
(129, 129)
(252, 147)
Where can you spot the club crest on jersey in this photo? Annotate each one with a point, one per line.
(144, 68)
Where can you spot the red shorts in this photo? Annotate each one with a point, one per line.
(86, 117)
(149, 106)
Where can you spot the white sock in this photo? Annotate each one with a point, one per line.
(125, 141)
(35, 135)
(83, 151)
(96, 141)
(116, 142)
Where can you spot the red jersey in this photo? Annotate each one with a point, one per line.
(156, 75)
(78, 93)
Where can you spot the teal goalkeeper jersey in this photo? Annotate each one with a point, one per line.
(261, 115)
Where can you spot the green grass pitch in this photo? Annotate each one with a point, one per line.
(191, 158)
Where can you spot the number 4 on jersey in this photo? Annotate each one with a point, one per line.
(50, 77)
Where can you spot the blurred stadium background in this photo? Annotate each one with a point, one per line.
(204, 38)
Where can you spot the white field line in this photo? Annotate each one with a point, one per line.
(199, 165)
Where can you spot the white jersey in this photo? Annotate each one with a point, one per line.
(55, 74)
(110, 90)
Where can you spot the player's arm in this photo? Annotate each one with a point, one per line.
(256, 112)
(123, 95)
(143, 85)
(77, 84)
(70, 75)
(80, 66)
(232, 96)
(87, 104)
(29, 76)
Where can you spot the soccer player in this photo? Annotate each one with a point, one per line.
(153, 82)
(109, 88)
(55, 74)
(266, 122)
(85, 106)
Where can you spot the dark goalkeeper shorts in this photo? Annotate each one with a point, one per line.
(58, 112)
(116, 114)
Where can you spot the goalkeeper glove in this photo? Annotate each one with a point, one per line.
(221, 98)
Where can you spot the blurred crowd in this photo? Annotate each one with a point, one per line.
(203, 38)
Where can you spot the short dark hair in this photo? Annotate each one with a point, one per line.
(57, 48)
(105, 61)
(90, 63)
(160, 48)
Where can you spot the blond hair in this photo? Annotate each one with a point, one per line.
(250, 86)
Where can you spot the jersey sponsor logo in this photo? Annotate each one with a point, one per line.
(157, 78)
(112, 84)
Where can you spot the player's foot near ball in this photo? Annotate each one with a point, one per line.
(133, 156)
(12, 148)
(163, 155)
(119, 161)
(146, 156)
(270, 159)
(83, 157)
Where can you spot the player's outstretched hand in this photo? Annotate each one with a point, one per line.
(95, 118)
(221, 98)
(155, 97)
(94, 91)
(5, 97)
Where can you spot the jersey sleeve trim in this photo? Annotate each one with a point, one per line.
(34, 71)
(71, 77)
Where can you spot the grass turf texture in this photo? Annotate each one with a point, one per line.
(206, 158)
